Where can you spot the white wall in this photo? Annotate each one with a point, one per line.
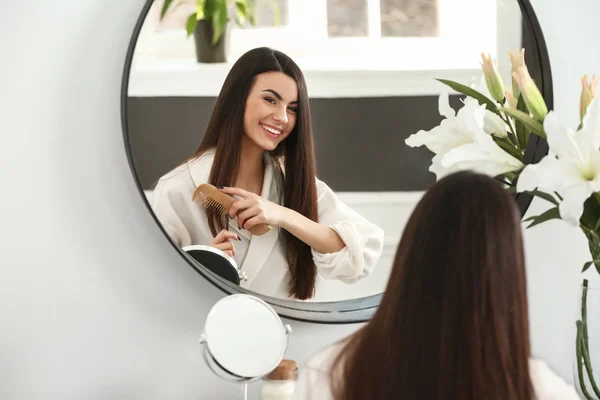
(94, 303)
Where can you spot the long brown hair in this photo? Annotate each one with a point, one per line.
(453, 321)
(297, 185)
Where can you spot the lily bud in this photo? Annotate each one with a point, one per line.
(510, 97)
(493, 79)
(517, 60)
(588, 93)
(531, 94)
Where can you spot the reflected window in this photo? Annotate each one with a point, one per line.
(409, 18)
(382, 18)
(347, 18)
(265, 13)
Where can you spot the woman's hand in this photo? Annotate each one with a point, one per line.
(253, 209)
(223, 243)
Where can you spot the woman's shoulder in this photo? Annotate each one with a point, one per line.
(190, 169)
(547, 384)
(324, 191)
(178, 172)
(323, 359)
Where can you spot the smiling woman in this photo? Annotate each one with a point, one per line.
(258, 146)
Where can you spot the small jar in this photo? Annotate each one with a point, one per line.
(280, 383)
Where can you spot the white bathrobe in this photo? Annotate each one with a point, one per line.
(313, 383)
(262, 258)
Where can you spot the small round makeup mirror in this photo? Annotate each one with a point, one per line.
(216, 261)
(244, 339)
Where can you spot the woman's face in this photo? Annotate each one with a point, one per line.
(271, 109)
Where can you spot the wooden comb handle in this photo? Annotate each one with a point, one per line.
(259, 229)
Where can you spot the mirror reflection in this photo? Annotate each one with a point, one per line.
(303, 128)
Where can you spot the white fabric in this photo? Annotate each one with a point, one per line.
(263, 257)
(313, 382)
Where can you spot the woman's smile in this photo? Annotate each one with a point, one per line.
(271, 131)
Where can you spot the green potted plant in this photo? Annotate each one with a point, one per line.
(210, 23)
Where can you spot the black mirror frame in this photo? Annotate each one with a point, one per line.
(355, 310)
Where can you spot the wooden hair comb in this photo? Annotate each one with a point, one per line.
(212, 199)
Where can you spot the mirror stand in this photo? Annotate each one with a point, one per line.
(210, 361)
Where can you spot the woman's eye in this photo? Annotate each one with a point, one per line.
(293, 109)
(270, 100)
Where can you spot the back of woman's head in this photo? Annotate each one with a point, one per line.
(453, 320)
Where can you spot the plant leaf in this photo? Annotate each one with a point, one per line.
(190, 25)
(202, 9)
(208, 7)
(480, 97)
(589, 264)
(508, 147)
(591, 215)
(276, 14)
(559, 196)
(521, 131)
(251, 11)
(534, 126)
(552, 213)
(164, 8)
(542, 195)
(219, 21)
(241, 7)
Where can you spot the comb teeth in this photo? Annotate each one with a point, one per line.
(213, 205)
(201, 196)
(210, 204)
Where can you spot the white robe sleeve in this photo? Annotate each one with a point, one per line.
(172, 204)
(363, 239)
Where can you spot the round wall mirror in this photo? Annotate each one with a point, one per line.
(355, 79)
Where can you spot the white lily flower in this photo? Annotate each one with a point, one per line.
(483, 156)
(453, 131)
(572, 168)
(460, 142)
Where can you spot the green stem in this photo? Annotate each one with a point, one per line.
(586, 345)
(590, 232)
(505, 119)
(578, 343)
